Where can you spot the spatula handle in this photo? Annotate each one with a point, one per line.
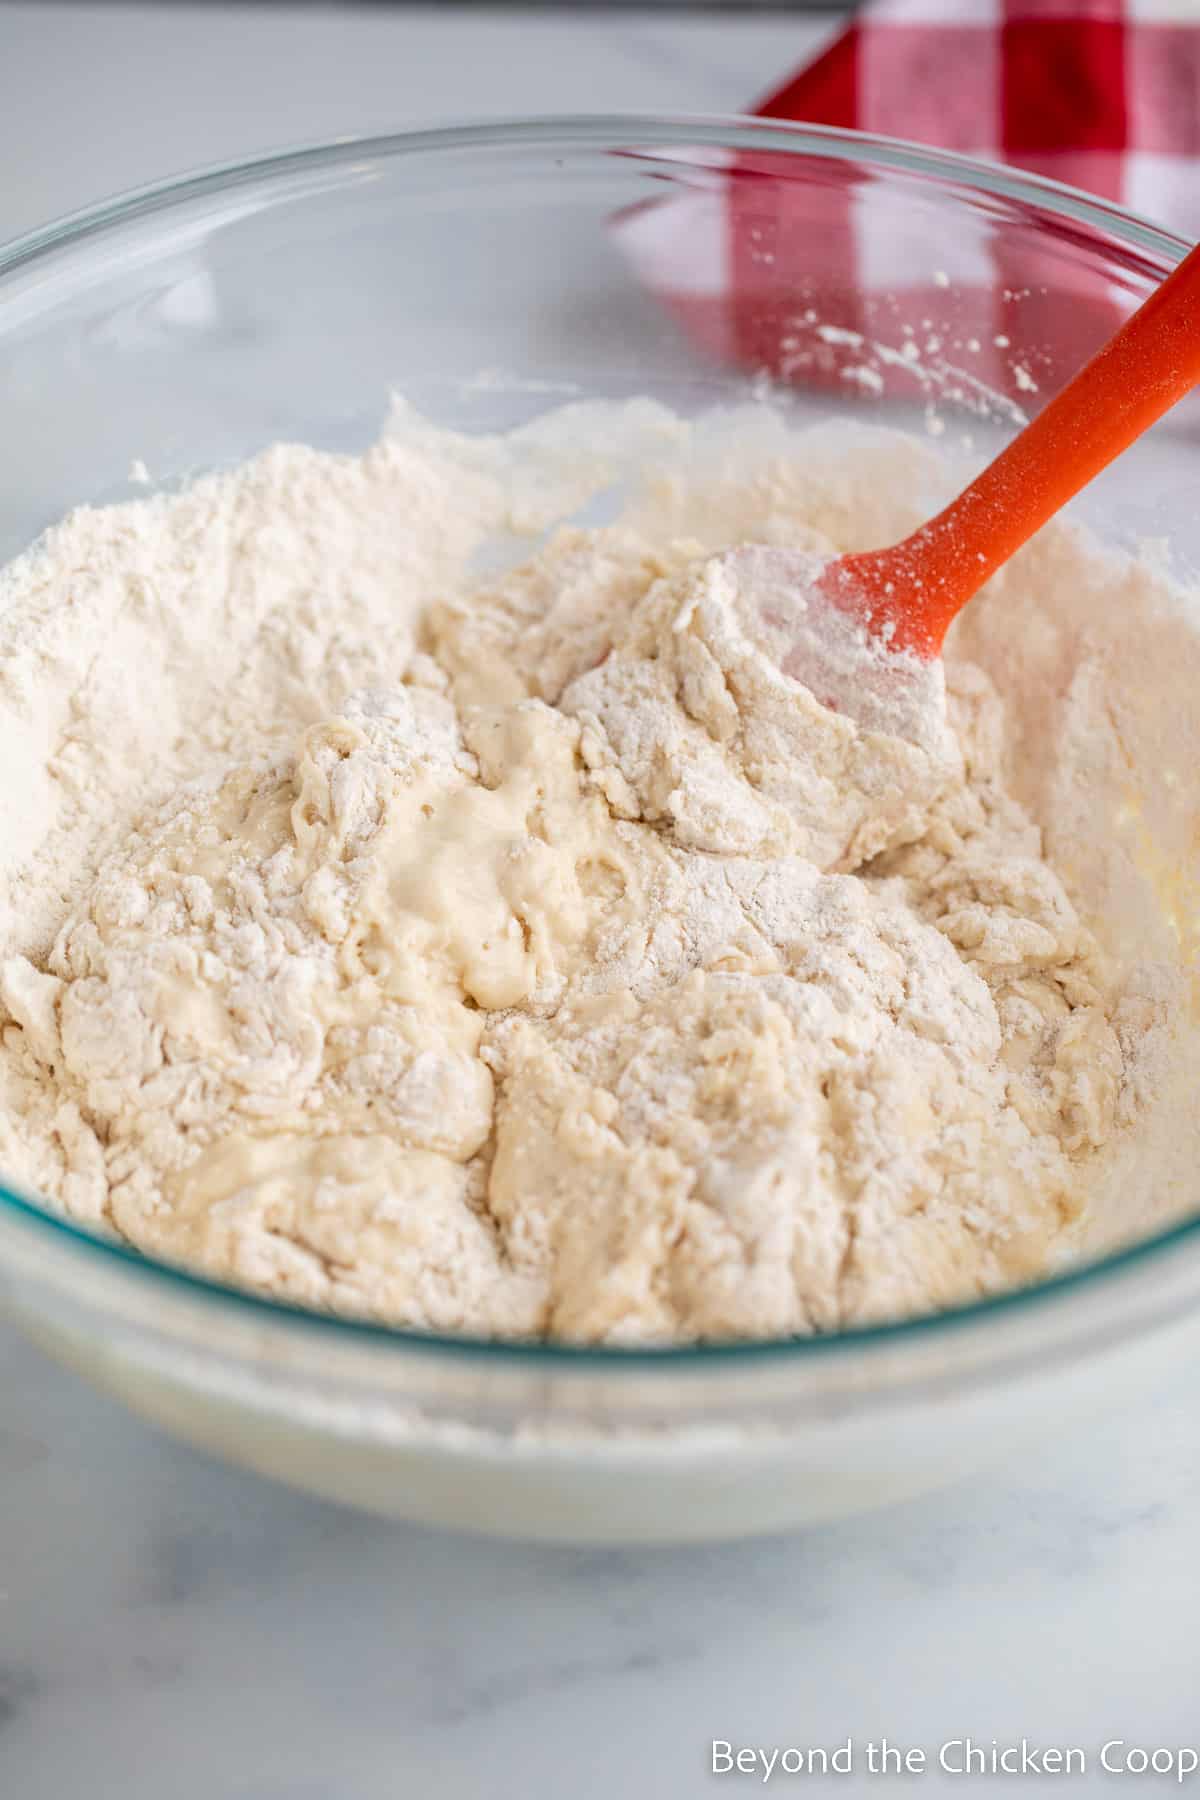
(1151, 362)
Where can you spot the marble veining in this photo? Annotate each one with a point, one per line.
(249, 1635)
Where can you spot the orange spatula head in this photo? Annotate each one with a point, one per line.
(906, 596)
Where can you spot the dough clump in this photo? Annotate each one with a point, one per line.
(586, 977)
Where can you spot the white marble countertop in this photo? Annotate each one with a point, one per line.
(94, 99)
(171, 1628)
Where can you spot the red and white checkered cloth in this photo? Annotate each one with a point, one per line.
(1102, 94)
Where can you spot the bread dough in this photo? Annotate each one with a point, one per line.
(588, 978)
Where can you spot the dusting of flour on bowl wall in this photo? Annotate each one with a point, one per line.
(415, 907)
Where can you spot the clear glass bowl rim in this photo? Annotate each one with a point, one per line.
(601, 133)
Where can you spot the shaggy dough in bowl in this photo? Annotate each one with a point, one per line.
(399, 922)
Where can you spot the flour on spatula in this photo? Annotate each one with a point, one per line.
(537, 953)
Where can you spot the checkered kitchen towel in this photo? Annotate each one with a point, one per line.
(1102, 94)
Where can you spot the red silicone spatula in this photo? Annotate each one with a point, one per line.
(905, 597)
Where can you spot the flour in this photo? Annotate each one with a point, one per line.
(701, 719)
(536, 953)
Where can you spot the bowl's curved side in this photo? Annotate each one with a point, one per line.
(545, 1478)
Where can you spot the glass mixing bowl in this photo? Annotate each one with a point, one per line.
(190, 325)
